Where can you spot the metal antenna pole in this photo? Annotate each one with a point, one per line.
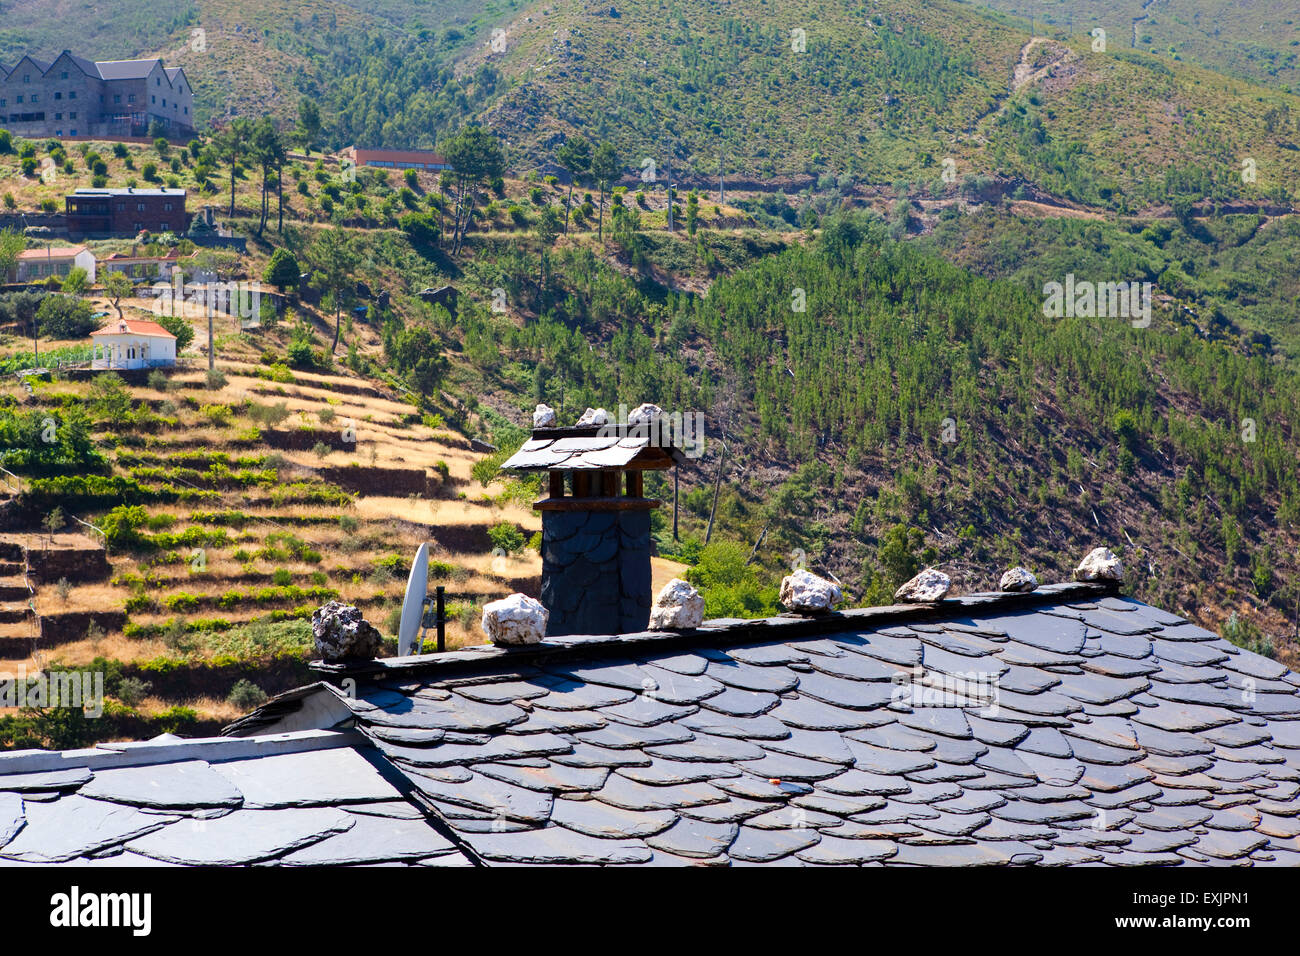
(441, 618)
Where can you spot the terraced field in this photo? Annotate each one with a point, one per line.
(252, 500)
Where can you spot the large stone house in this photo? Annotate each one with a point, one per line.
(73, 96)
(106, 213)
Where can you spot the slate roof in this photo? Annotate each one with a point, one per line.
(289, 799)
(589, 449)
(1121, 736)
(126, 69)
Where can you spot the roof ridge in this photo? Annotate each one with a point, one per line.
(485, 657)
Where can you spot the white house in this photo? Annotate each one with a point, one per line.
(132, 343)
(140, 267)
(35, 265)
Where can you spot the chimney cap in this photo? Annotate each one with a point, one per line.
(596, 447)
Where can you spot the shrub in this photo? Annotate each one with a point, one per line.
(219, 415)
(122, 525)
(507, 537)
(132, 690)
(246, 695)
(176, 719)
(216, 378)
(65, 317)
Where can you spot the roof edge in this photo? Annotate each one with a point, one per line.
(137, 753)
(486, 657)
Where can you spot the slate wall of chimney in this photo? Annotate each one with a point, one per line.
(596, 571)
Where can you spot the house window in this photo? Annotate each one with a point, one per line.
(18, 98)
(158, 81)
(137, 226)
(58, 116)
(187, 109)
(72, 115)
(65, 74)
(165, 226)
(58, 96)
(27, 77)
(72, 95)
(167, 207)
(117, 97)
(153, 99)
(121, 207)
(2, 101)
(130, 97)
(73, 133)
(139, 207)
(35, 97)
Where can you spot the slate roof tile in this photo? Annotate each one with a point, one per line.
(1118, 737)
(764, 846)
(557, 845)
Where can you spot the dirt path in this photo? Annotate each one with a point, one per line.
(1024, 73)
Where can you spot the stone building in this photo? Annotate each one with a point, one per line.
(108, 213)
(73, 96)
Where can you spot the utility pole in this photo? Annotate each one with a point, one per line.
(677, 477)
(670, 194)
(49, 262)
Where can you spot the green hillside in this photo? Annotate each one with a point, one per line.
(829, 94)
(1257, 41)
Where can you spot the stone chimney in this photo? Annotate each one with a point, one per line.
(596, 519)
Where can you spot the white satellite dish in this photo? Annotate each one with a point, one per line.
(417, 589)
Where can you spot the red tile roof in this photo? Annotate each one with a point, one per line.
(134, 327)
(61, 252)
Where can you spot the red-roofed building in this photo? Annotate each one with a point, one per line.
(132, 343)
(35, 265)
(398, 158)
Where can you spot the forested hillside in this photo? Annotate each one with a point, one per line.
(1256, 41)
(957, 412)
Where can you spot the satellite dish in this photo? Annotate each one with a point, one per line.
(417, 587)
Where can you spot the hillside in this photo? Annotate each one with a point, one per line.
(832, 94)
(1254, 41)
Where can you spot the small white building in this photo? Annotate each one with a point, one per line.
(35, 265)
(132, 343)
(140, 267)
